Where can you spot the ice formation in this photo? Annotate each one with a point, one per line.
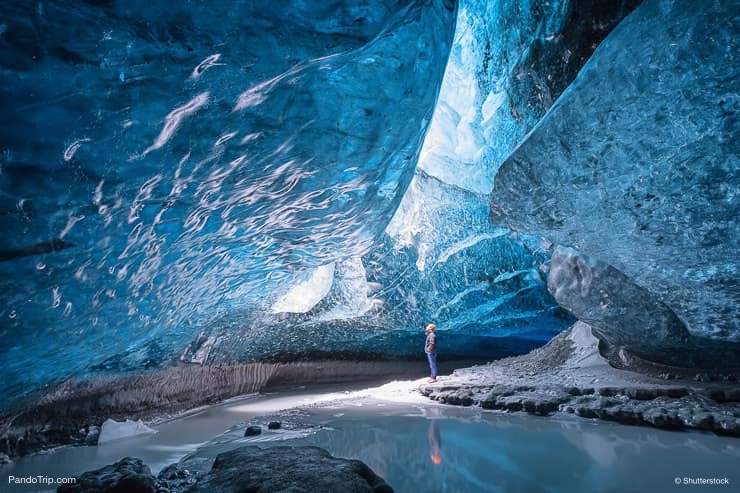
(213, 183)
(626, 316)
(636, 166)
(113, 430)
(179, 163)
(510, 61)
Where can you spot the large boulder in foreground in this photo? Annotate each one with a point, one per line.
(294, 469)
(636, 164)
(128, 475)
(252, 469)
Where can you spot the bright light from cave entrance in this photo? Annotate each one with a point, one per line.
(304, 295)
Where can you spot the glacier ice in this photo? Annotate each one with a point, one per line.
(210, 183)
(198, 158)
(456, 265)
(306, 293)
(636, 165)
(510, 61)
(626, 316)
(113, 430)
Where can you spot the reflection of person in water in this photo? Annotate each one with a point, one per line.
(435, 442)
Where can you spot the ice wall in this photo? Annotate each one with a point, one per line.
(625, 316)
(510, 61)
(636, 164)
(444, 259)
(164, 165)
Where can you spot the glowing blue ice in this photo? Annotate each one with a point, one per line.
(636, 165)
(193, 182)
(196, 159)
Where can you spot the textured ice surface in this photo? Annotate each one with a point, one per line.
(627, 316)
(303, 295)
(195, 159)
(510, 61)
(637, 164)
(449, 264)
(216, 182)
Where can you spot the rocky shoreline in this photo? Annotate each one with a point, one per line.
(569, 375)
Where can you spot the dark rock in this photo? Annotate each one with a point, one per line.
(669, 408)
(717, 395)
(252, 431)
(4, 460)
(458, 397)
(703, 421)
(178, 477)
(539, 407)
(732, 395)
(676, 392)
(643, 394)
(294, 469)
(608, 391)
(273, 425)
(510, 403)
(128, 475)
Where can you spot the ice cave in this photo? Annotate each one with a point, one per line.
(369, 246)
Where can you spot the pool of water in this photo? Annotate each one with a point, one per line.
(422, 446)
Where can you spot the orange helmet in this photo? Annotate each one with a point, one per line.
(431, 327)
(437, 459)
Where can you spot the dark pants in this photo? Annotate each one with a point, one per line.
(432, 357)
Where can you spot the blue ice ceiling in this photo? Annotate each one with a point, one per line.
(211, 181)
(192, 160)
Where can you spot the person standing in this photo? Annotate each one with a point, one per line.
(430, 347)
